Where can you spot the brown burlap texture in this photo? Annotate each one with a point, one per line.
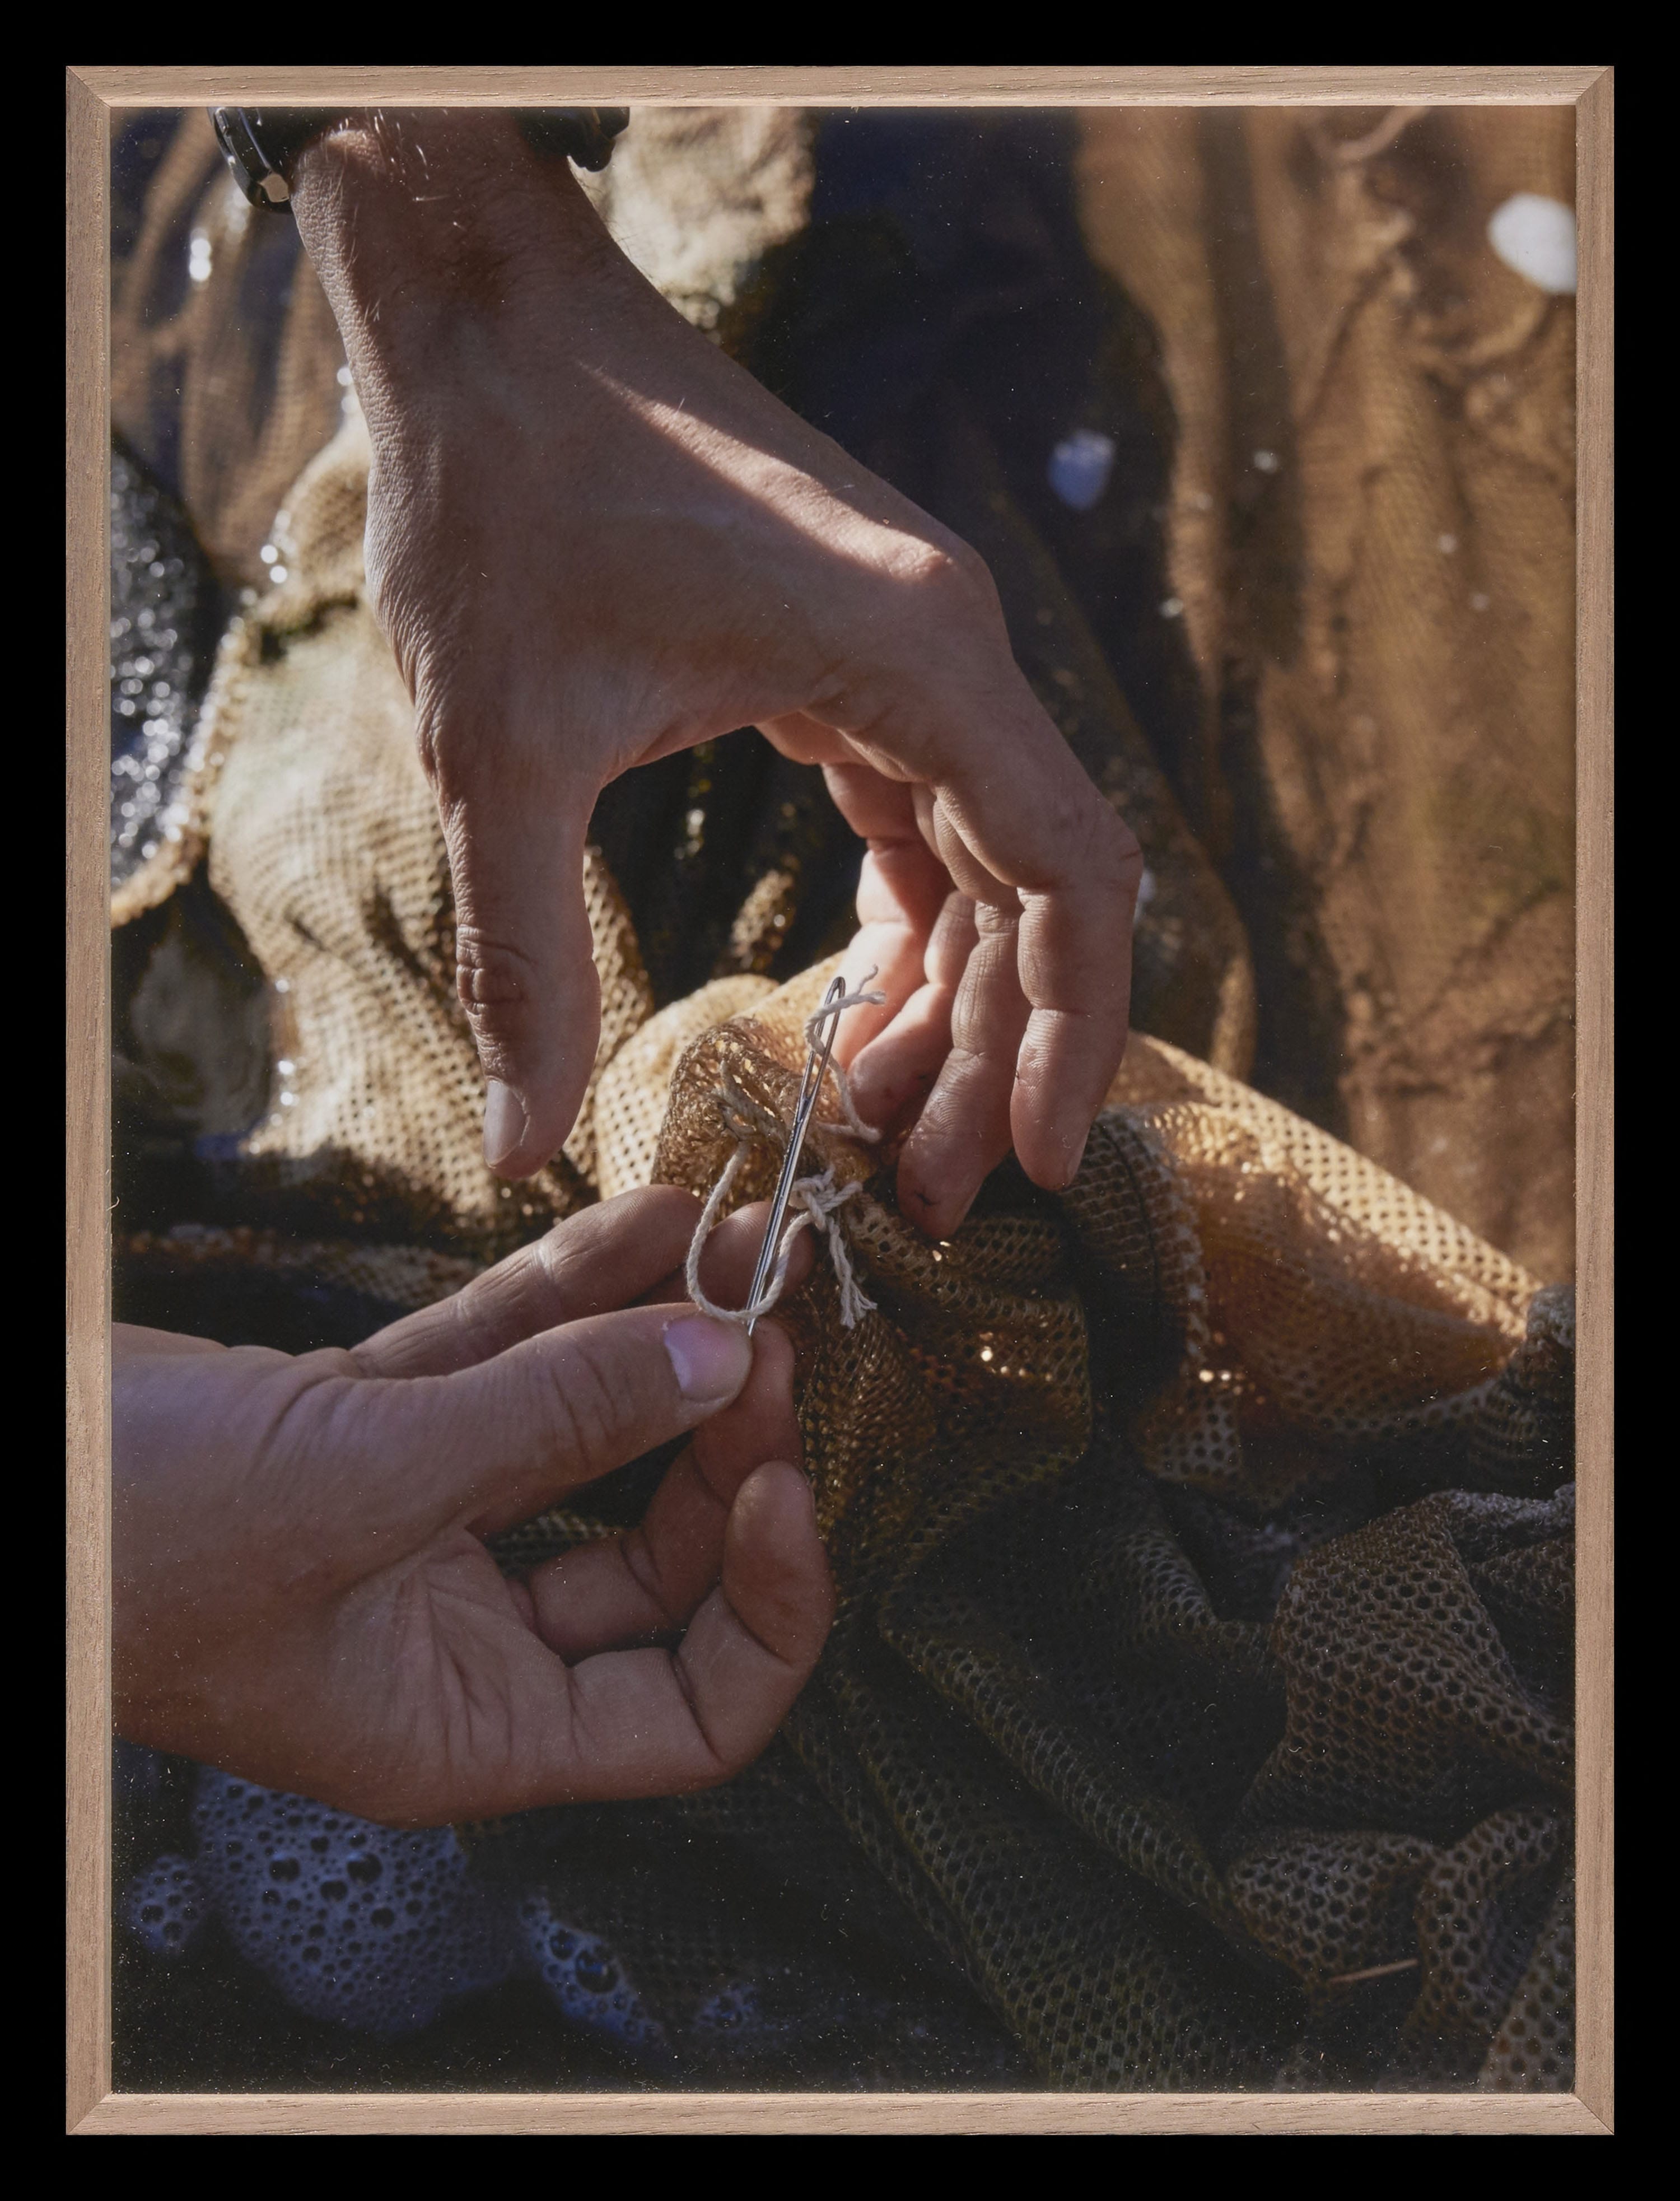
(1205, 1632)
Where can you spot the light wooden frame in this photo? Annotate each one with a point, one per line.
(91, 93)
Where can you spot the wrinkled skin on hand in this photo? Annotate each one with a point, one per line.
(593, 540)
(304, 1593)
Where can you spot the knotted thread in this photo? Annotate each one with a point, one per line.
(817, 1197)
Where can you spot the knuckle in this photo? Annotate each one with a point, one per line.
(1121, 842)
(977, 576)
(392, 599)
(733, 1758)
(965, 564)
(1100, 849)
(495, 981)
(326, 1412)
(471, 1313)
(381, 555)
(446, 751)
(1118, 854)
(726, 1756)
(430, 743)
(997, 922)
(954, 577)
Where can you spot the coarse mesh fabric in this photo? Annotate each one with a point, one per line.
(1348, 419)
(1198, 1712)
(1158, 1833)
(1202, 1533)
(342, 891)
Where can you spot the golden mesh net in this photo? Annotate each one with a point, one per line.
(1370, 560)
(1199, 1703)
(1199, 1692)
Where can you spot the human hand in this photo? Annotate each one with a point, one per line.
(594, 540)
(303, 1596)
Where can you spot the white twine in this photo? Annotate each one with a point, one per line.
(817, 1198)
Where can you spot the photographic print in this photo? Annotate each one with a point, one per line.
(850, 857)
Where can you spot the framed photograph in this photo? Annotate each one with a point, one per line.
(839, 1223)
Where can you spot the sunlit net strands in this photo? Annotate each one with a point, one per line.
(1147, 1809)
(1366, 526)
(1198, 1713)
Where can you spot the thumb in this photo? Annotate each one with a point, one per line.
(495, 1444)
(524, 961)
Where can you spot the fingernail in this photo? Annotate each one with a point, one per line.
(710, 1358)
(504, 1122)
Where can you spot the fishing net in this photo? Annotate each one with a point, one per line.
(1198, 1710)
(1275, 453)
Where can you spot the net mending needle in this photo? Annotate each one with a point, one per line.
(810, 1090)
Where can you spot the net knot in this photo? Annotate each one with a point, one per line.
(817, 1199)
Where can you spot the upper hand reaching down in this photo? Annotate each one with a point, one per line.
(593, 539)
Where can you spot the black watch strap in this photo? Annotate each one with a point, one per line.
(261, 143)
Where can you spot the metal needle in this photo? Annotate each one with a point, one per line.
(810, 1090)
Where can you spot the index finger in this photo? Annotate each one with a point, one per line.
(605, 1256)
(628, 1251)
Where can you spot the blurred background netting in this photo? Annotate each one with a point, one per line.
(1200, 1713)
